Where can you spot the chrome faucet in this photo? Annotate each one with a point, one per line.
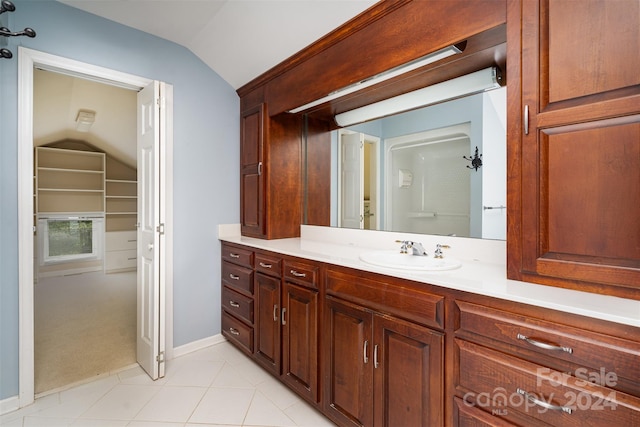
(416, 247)
(438, 253)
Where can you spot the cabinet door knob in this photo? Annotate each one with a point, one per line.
(275, 312)
(234, 331)
(232, 303)
(365, 350)
(525, 120)
(234, 277)
(284, 321)
(263, 265)
(232, 255)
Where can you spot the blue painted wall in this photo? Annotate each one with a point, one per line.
(206, 159)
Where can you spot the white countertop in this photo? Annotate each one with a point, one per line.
(483, 269)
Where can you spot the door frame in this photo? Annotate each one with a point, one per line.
(27, 60)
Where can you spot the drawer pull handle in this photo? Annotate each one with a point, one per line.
(234, 331)
(232, 255)
(275, 312)
(544, 345)
(263, 265)
(232, 303)
(234, 277)
(295, 273)
(365, 350)
(284, 311)
(375, 356)
(531, 398)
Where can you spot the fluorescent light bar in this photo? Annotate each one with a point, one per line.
(386, 75)
(480, 81)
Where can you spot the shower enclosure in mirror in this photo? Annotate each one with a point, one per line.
(413, 172)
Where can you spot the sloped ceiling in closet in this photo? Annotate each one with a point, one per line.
(57, 100)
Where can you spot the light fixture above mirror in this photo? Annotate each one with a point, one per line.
(385, 75)
(469, 84)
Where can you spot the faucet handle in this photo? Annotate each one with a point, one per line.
(406, 244)
(438, 253)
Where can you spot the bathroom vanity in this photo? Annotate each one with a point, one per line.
(370, 346)
(540, 330)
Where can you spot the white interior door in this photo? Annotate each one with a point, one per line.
(352, 183)
(150, 312)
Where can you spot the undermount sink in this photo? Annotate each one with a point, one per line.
(400, 261)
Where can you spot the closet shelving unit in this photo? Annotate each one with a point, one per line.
(69, 181)
(121, 205)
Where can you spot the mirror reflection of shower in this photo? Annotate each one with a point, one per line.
(428, 184)
(475, 121)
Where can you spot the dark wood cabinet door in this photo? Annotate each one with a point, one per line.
(348, 383)
(267, 331)
(252, 139)
(408, 374)
(300, 339)
(574, 216)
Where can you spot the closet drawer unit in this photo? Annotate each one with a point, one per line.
(120, 260)
(301, 273)
(268, 265)
(237, 255)
(120, 240)
(237, 278)
(511, 387)
(586, 353)
(237, 304)
(237, 332)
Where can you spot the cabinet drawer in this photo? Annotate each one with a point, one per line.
(407, 303)
(238, 256)
(302, 273)
(238, 278)
(237, 332)
(467, 415)
(503, 384)
(268, 265)
(120, 260)
(239, 305)
(582, 348)
(120, 240)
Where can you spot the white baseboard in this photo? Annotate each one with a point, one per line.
(9, 404)
(198, 345)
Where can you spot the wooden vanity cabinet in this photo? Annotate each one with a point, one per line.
(286, 337)
(574, 198)
(237, 296)
(530, 371)
(379, 369)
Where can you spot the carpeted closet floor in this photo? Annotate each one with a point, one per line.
(84, 326)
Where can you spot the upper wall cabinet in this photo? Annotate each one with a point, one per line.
(575, 212)
(270, 198)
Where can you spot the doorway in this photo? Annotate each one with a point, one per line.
(358, 180)
(162, 301)
(84, 137)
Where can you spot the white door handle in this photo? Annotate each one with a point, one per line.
(150, 246)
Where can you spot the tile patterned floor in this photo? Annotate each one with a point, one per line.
(216, 386)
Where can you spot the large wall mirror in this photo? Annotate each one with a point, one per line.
(437, 170)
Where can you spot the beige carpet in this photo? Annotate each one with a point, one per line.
(84, 326)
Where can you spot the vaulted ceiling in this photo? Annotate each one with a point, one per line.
(238, 39)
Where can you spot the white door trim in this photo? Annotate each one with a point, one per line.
(27, 60)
